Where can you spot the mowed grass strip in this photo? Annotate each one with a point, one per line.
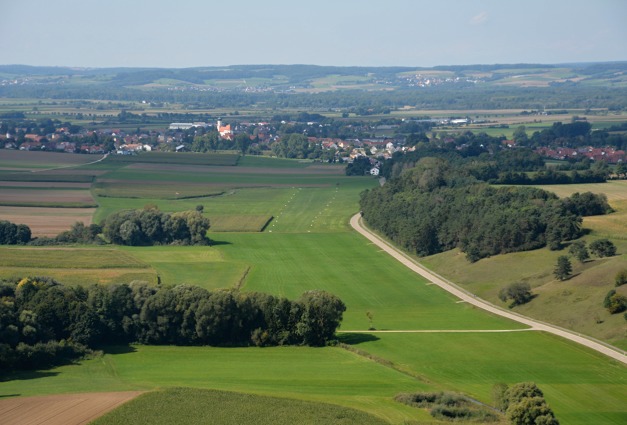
(239, 223)
(73, 276)
(196, 406)
(582, 386)
(346, 265)
(162, 190)
(329, 375)
(193, 265)
(68, 258)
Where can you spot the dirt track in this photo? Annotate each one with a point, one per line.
(68, 409)
(472, 299)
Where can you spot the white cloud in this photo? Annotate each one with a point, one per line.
(479, 19)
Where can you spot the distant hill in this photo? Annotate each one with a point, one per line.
(248, 84)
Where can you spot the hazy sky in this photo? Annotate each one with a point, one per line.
(186, 33)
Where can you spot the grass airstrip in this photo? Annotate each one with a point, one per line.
(282, 227)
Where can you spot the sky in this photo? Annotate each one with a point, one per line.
(191, 33)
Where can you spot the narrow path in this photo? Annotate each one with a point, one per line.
(450, 287)
(435, 331)
(71, 166)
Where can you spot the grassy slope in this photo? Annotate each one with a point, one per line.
(576, 303)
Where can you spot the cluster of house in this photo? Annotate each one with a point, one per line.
(608, 154)
(419, 80)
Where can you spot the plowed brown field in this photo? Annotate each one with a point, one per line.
(69, 409)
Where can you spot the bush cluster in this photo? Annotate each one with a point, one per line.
(448, 406)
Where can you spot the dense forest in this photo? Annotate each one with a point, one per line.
(43, 322)
(435, 206)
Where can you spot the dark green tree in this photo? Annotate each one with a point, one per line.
(603, 248)
(563, 268)
(518, 292)
(321, 316)
(579, 250)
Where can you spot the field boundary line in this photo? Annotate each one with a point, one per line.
(599, 346)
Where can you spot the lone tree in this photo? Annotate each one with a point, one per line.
(603, 248)
(518, 292)
(579, 251)
(621, 278)
(563, 268)
(526, 406)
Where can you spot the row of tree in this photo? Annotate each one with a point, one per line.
(435, 207)
(144, 227)
(46, 319)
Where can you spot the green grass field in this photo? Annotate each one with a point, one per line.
(309, 245)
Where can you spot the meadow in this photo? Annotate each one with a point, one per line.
(308, 244)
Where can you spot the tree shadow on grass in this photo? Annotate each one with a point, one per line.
(218, 243)
(356, 338)
(24, 375)
(118, 349)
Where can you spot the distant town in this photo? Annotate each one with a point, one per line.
(262, 137)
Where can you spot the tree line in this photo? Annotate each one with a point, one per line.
(43, 322)
(435, 207)
(142, 227)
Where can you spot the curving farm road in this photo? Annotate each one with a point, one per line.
(472, 299)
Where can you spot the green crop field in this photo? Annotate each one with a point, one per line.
(176, 158)
(309, 245)
(195, 406)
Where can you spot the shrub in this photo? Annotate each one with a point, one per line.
(518, 292)
(603, 248)
(621, 278)
(615, 303)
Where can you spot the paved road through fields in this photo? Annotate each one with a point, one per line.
(472, 299)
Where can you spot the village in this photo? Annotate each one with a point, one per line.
(180, 137)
